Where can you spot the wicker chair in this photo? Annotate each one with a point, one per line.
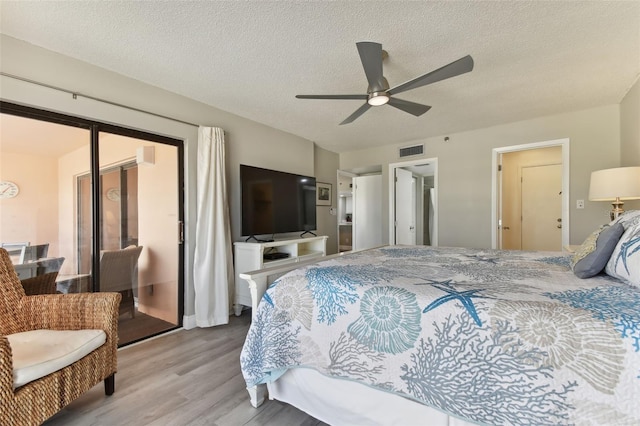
(36, 401)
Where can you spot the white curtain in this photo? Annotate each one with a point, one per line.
(213, 262)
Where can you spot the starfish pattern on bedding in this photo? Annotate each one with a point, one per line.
(624, 251)
(464, 297)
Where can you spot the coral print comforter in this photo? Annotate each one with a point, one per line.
(494, 337)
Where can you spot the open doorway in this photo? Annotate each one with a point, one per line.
(360, 208)
(413, 212)
(531, 196)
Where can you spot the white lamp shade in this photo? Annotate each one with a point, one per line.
(607, 184)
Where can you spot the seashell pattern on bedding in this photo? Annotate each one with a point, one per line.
(493, 337)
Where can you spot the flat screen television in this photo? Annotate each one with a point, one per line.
(275, 202)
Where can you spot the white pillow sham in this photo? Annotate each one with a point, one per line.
(624, 262)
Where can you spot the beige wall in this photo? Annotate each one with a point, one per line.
(36, 203)
(465, 172)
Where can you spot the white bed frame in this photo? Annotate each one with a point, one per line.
(258, 282)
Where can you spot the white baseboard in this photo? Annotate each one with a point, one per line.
(189, 322)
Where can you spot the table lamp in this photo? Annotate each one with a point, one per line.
(615, 185)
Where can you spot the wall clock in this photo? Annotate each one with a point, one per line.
(113, 194)
(8, 189)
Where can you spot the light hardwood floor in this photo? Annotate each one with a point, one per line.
(184, 378)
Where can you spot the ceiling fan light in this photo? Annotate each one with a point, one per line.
(378, 98)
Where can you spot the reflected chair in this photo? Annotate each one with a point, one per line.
(17, 251)
(79, 330)
(38, 251)
(45, 280)
(119, 273)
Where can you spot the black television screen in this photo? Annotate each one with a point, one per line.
(276, 202)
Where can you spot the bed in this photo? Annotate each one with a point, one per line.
(453, 336)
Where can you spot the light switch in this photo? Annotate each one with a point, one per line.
(332, 211)
(580, 204)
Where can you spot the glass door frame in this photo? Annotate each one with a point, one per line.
(95, 127)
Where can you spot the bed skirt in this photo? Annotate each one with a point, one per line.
(343, 402)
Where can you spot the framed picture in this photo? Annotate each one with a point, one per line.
(323, 194)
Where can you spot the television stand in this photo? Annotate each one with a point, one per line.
(308, 232)
(251, 257)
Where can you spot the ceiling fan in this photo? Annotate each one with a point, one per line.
(379, 93)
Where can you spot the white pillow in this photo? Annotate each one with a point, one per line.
(625, 259)
(628, 218)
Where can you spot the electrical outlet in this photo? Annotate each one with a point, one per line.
(580, 204)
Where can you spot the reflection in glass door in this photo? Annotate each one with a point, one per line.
(138, 222)
(108, 214)
(42, 153)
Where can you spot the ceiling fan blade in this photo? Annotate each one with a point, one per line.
(356, 114)
(410, 107)
(371, 57)
(331, 96)
(461, 66)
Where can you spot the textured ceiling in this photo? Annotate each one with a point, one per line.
(532, 58)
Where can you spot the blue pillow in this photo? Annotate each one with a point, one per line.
(593, 255)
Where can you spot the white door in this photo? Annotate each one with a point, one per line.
(405, 208)
(367, 212)
(542, 207)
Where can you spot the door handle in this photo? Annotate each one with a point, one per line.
(505, 228)
(559, 226)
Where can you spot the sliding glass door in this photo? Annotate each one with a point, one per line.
(139, 224)
(120, 234)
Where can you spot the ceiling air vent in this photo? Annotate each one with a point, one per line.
(409, 151)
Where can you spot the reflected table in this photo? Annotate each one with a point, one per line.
(73, 283)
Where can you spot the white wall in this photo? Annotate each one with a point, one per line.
(326, 166)
(630, 127)
(630, 133)
(464, 168)
(248, 142)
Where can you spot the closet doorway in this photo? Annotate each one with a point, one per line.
(360, 209)
(413, 211)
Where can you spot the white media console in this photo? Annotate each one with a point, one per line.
(254, 257)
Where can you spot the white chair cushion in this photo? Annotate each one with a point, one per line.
(40, 352)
